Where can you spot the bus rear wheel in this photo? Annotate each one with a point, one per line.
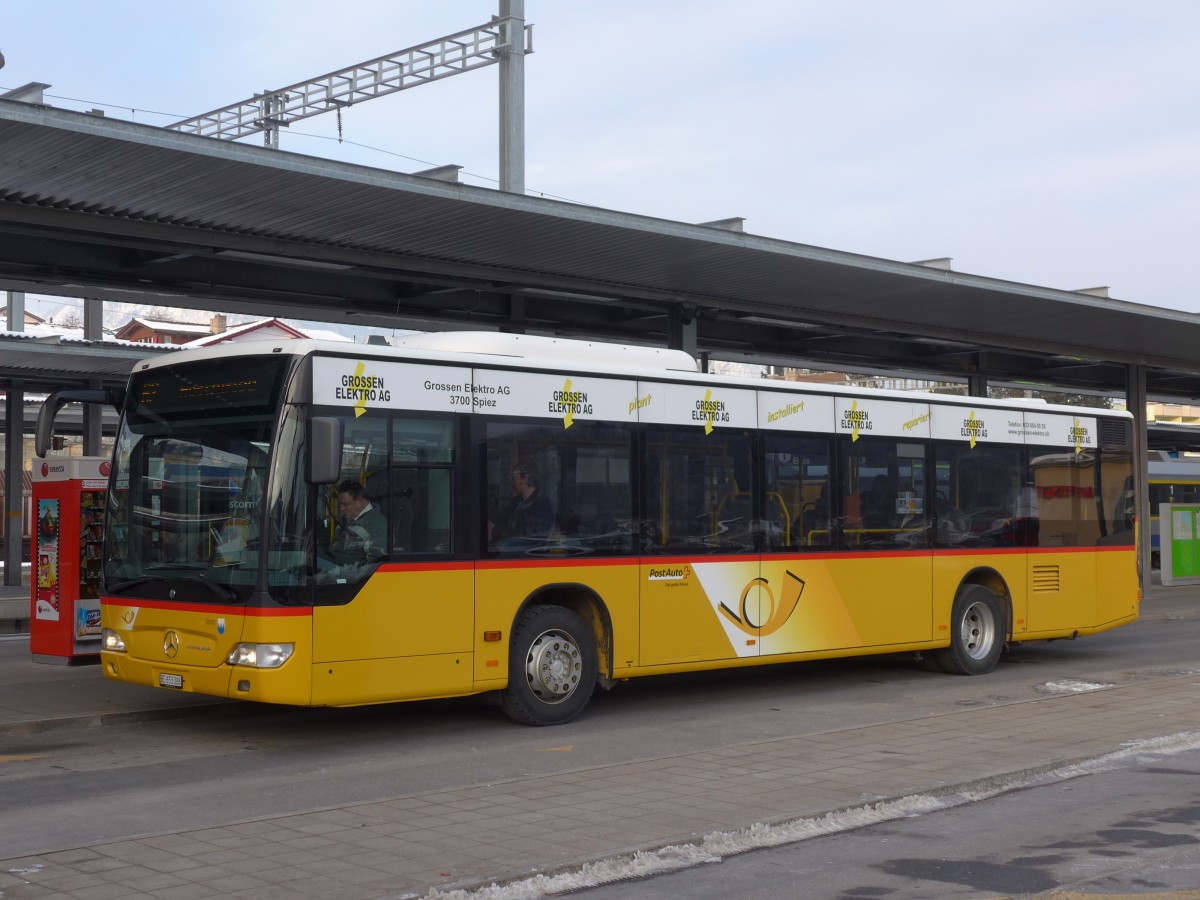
(551, 667)
(976, 633)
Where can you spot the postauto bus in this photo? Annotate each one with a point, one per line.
(555, 515)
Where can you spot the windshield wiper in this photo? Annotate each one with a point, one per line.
(132, 582)
(178, 572)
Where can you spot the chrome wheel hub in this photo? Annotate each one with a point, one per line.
(978, 631)
(553, 667)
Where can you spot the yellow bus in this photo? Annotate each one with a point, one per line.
(327, 524)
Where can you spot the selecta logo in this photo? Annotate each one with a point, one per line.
(105, 468)
(761, 622)
(45, 470)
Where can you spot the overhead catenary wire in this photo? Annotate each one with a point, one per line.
(340, 139)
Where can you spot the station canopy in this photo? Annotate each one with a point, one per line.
(101, 208)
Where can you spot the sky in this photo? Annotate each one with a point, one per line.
(1048, 142)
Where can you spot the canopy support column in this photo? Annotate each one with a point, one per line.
(681, 329)
(93, 414)
(1135, 402)
(14, 456)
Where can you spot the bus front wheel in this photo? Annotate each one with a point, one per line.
(551, 667)
(976, 633)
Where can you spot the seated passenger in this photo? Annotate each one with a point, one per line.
(878, 506)
(528, 513)
(953, 526)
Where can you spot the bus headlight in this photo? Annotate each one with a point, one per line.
(260, 656)
(111, 641)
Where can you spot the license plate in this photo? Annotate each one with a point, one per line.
(166, 679)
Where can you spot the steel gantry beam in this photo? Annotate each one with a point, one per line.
(266, 113)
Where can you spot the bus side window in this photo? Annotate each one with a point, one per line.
(1066, 494)
(552, 492)
(884, 488)
(796, 493)
(980, 500)
(1117, 497)
(697, 490)
(419, 498)
(364, 471)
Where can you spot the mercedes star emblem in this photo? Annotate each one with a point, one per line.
(170, 644)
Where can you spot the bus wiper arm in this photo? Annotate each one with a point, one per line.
(225, 593)
(179, 572)
(132, 582)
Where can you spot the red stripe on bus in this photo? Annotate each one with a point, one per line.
(1103, 548)
(580, 562)
(489, 564)
(824, 555)
(174, 606)
(1014, 551)
(457, 566)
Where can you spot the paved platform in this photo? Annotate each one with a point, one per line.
(14, 605)
(431, 844)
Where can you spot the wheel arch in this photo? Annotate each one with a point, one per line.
(987, 577)
(585, 603)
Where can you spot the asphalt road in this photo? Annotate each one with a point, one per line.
(1128, 832)
(74, 788)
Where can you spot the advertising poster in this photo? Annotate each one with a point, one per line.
(87, 622)
(48, 521)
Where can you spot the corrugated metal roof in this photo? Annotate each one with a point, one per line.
(106, 208)
(47, 363)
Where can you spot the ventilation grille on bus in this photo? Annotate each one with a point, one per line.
(1045, 579)
(1116, 433)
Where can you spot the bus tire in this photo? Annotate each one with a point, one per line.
(976, 633)
(551, 667)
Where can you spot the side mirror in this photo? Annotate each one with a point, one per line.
(44, 432)
(324, 449)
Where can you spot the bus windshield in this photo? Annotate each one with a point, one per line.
(190, 471)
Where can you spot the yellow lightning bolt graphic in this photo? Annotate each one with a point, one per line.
(1078, 438)
(971, 420)
(360, 405)
(854, 434)
(708, 405)
(569, 418)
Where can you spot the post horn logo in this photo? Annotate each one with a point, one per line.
(777, 613)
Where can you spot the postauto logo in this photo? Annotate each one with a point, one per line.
(756, 622)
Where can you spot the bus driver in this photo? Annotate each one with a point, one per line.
(361, 534)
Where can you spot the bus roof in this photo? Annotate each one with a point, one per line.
(550, 349)
(593, 357)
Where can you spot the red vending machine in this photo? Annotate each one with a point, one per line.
(68, 555)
